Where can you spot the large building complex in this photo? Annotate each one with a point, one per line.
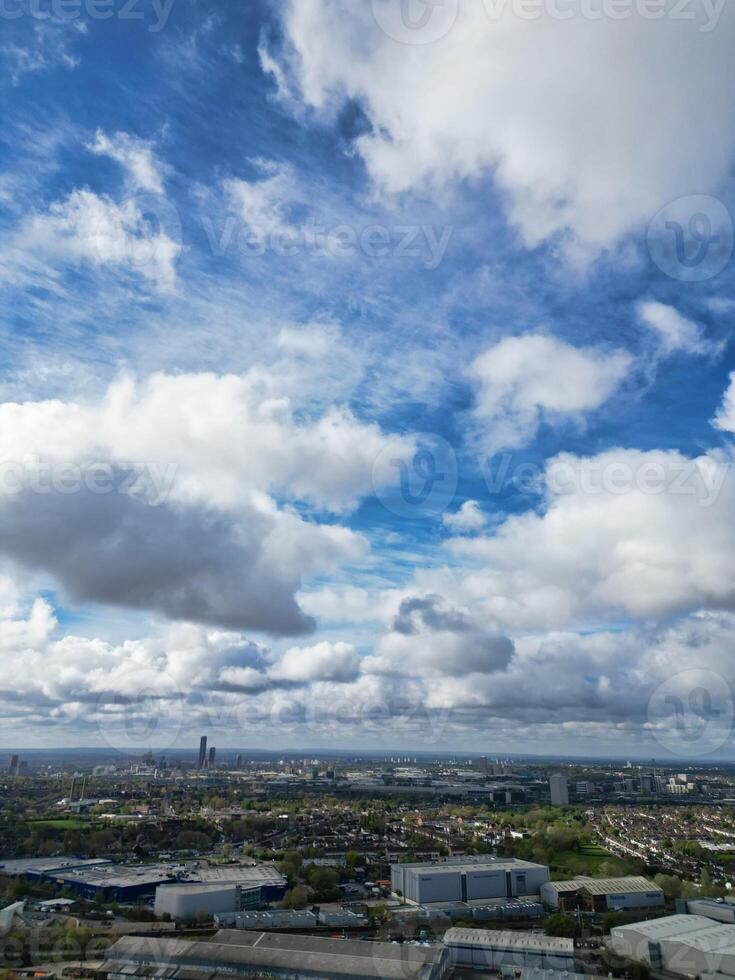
(689, 945)
(275, 955)
(103, 880)
(602, 894)
(465, 880)
(491, 950)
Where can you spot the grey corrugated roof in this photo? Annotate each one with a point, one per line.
(508, 940)
(312, 954)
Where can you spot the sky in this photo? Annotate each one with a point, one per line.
(366, 375)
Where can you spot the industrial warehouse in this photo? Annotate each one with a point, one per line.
(602, 894)
(241, 886)
(689, 945)
(491, 950)
(467, 880)
(275, 954)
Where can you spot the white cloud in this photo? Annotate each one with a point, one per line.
(725, 418)
(194, 521)
(522, 381)
(263, 203)
(430, 636)
(338, 662)
(468, 518)
(88, 228)
(674, 331)
(143, 169)
(625, 533)
(566, 159)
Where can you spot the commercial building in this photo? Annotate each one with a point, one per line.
(202, 752)
(294, 919)
(275, 955)
(184, 902)
(464, 880)
(689, 945)
(115, 883)
(559, 789)
(222, 889)
(602, 894)
(717, 909)
(491, 950)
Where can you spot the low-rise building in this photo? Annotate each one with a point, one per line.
(275, 955)
(493, 950)
(688, 945)
(602, 894)
(466, 880)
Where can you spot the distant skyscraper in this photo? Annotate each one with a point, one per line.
(202, 751)
(238, 761)
(212, 753)
(483, 764)
(14, 765)
(559, 790)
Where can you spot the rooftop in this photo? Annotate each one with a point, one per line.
(489, 864)
(509, 940)
(605, 886)
(316, 955)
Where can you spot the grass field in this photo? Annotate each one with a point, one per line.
(61, 823)
(587, 860)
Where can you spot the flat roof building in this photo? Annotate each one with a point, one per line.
(467, 881)
(689, 945)
(276, 954)
(602, 894)
(493, 950)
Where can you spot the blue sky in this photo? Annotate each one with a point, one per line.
(352, 381)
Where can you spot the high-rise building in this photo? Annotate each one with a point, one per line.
(559, 790)
(483, 764)
(202, 752)
(238, 761)
(212, 754)
(14, 765)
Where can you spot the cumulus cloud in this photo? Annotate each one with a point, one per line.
(625, 533)
(675, 332)
(522, 381)
(430, 635)
(218, 436)
(172, 496)
(566, 160)
(468, 518)
(144, 171)
(725, 418)
(325, 661)
(183, 562)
